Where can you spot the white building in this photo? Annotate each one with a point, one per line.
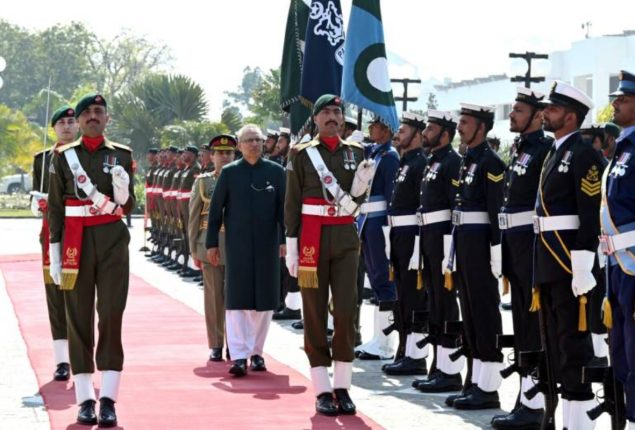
(590, 65)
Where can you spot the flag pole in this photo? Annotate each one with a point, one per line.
(45, 128)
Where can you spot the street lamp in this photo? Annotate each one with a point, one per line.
(528, 79)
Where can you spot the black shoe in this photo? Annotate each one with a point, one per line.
(173, 267)
(239, 368)
(325, 405)
(62, 373)
(432, 374)
(298, 325)
(478, 399)
(107, 415)
(522, 418)
(397, 361)
(408, 366)
(507, 306)
(287, 314)
(441, 383)
(453, 397)
(258, 363)
(345, 405)
(86, 414)
(363, 355)
(216, 354)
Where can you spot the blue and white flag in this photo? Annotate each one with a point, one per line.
(365, 81)
(323, 51)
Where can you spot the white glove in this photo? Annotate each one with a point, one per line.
(291, 259)
(386, 230)
(363, 176)
(120, 182)
(36, 205)
(414, 259)
(55, 258)
(496, 261)
(447, 246)
(601, 257)
(581, 266)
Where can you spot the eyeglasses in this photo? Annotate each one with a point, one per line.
(253, 140)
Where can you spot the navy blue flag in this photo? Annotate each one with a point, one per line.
(366, 82)
(323, 51)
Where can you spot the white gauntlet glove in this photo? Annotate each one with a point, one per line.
(581, 266)
(38, 201)
(55, 258)
(386, 230)
(291, 259)
(414, 260)
(496, 260)
(363, 176)
(447, 246)
(120, 182)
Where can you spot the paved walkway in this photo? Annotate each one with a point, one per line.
(388, 400)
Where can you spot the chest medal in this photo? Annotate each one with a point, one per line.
(565, 162)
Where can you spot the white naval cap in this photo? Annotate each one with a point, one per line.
(529, 96)
(284, 131)
(442, 118)
(413, 120)
(485, 113)
(563, 94)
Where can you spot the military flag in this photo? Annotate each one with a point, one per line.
(365, 81)
(291, 67)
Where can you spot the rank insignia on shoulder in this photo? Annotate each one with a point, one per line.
(455, 183)
(495, 178)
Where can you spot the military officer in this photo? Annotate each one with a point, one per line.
(404, 246)
(436, 201)
(222, 148)
(152, 161)
(248, 201)
(65, 125)
(517, 237)
(476, 245)
(326, 180)
(567, 225)
(374, 232)
(618, 220)
(90, 190)
(191, 170)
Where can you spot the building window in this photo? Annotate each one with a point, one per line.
(584, 83)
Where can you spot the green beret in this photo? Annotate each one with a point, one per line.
(87, 100)
(191, 148)
(611, 129)
(326, 100)
(63, 112)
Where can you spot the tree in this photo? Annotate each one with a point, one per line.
(20, 140)
(243, 94)
(432, 102)
(124, 60)
(260, 94)
(605, 114)
(232, 118)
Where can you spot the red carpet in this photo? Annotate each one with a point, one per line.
(167, 383)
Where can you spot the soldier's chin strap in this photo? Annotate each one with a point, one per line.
(529, 121)
(469, 142)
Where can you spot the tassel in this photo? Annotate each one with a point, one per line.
(535, 300)
(607, 313)
(419, 280)
(449, 282)
(582, 314)
(391, 273)
(505, 286)
(307, 278)
(68, 280)
(47, 276)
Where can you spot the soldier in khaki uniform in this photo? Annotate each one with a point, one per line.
(222, 148)
(65, 126)
(191, 170)
(90, 190)
(326, 181)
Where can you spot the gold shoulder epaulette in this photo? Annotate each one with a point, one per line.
(42, 151)
(352, 143)
(301, 146)
(120, 146)
(69, 145)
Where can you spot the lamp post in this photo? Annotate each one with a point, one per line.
(528, 56)
(404, 98)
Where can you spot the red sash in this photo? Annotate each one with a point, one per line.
(73, 233)
(310, 241)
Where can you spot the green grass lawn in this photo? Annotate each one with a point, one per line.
(15, 213)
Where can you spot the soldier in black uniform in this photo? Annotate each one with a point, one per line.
(436, 198)
(404, 255)
(517, 238)
(476, 246)
(567, 225)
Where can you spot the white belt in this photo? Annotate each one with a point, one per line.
(460, 218)
(402, 220)
(553, 223)
(83, 211)
(518, 219)
(426, 218)
(321, 210)
(370, 207)
(618, 242)
(184, 196)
